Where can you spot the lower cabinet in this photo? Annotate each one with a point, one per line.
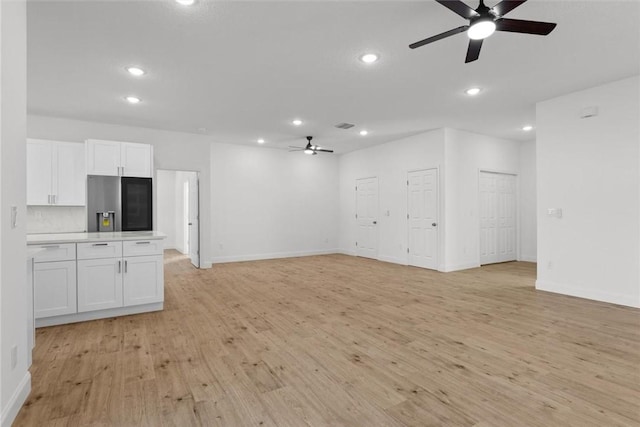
(97, 276)
(99, 284)
(143, 280)
(54, 288)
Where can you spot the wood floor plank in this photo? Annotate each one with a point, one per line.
(343, 341)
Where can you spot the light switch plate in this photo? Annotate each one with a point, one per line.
(14, 216)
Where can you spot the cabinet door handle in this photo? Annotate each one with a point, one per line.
(125, 265)
(54, 199)
(119, 266)
(143, 243)
(100, 244)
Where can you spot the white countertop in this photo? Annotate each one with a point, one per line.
(40, 239)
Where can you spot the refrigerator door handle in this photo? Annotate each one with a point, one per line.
(125, 265)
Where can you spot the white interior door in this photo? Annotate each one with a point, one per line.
(367, 217)
(498, 224)
(194, 220)
(422, 216)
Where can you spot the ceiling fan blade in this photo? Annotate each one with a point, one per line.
(439, 36)
(506, 6)
(324, 150)
(473, 51)
(526, 27)
(458, 7)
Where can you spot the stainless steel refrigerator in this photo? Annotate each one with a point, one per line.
(119, 203)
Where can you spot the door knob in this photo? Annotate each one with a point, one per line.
(190, 223)
(433, 224)
(375, 222)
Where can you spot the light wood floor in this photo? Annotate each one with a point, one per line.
(338, 340)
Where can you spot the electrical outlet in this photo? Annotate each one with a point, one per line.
(14, 356)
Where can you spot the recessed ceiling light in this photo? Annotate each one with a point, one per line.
(132, 99)
(473, 91)
(261, 141)
(135, 71)
(297, 122)
(364, 132)
(369, 58)
(186, 2)
(527, 128)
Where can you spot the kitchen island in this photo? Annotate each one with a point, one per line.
(86, 276)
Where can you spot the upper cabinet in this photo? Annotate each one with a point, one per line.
(119, 158)
(55, 173)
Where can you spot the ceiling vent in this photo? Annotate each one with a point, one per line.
(344, 125)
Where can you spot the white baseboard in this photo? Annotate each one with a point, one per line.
(559, 288)
(99, 314)
(274, 255)
(392, 260)
(346, 252)
(528, 258)
(458, 267)
(16, 401)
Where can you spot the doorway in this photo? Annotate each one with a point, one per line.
(178, 211)
(498, 225)
(367, 217)
(422, 218)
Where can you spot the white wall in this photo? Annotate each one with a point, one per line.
(172, 150)
(166, 190)
(466, 154)
(460, 156)
(390, 163)
(270, 203)
(527, 201)
(15, 380)
(590, 168)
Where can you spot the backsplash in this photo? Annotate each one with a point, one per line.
(56, 219)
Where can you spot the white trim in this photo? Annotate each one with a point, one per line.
(346, 252)
(559, 288)
(273, 255)
(458, 267)
(10, 412)
(391, 259)
(528, 258)
(100, 314)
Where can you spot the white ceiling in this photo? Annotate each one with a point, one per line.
(245, 69)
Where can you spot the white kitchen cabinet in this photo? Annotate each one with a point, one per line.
(54, 288)
(112, 158)
(99, 284)
(143, 280)
(56, 173)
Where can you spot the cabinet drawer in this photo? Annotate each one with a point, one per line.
(142, 247)
(56, 252)
(97, 250)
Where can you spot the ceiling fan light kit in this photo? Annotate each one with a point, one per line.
(483, 21)
(309, 148)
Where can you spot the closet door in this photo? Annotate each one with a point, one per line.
(498, 234)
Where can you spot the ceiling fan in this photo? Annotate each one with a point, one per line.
(310, 149)
(483, 21)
